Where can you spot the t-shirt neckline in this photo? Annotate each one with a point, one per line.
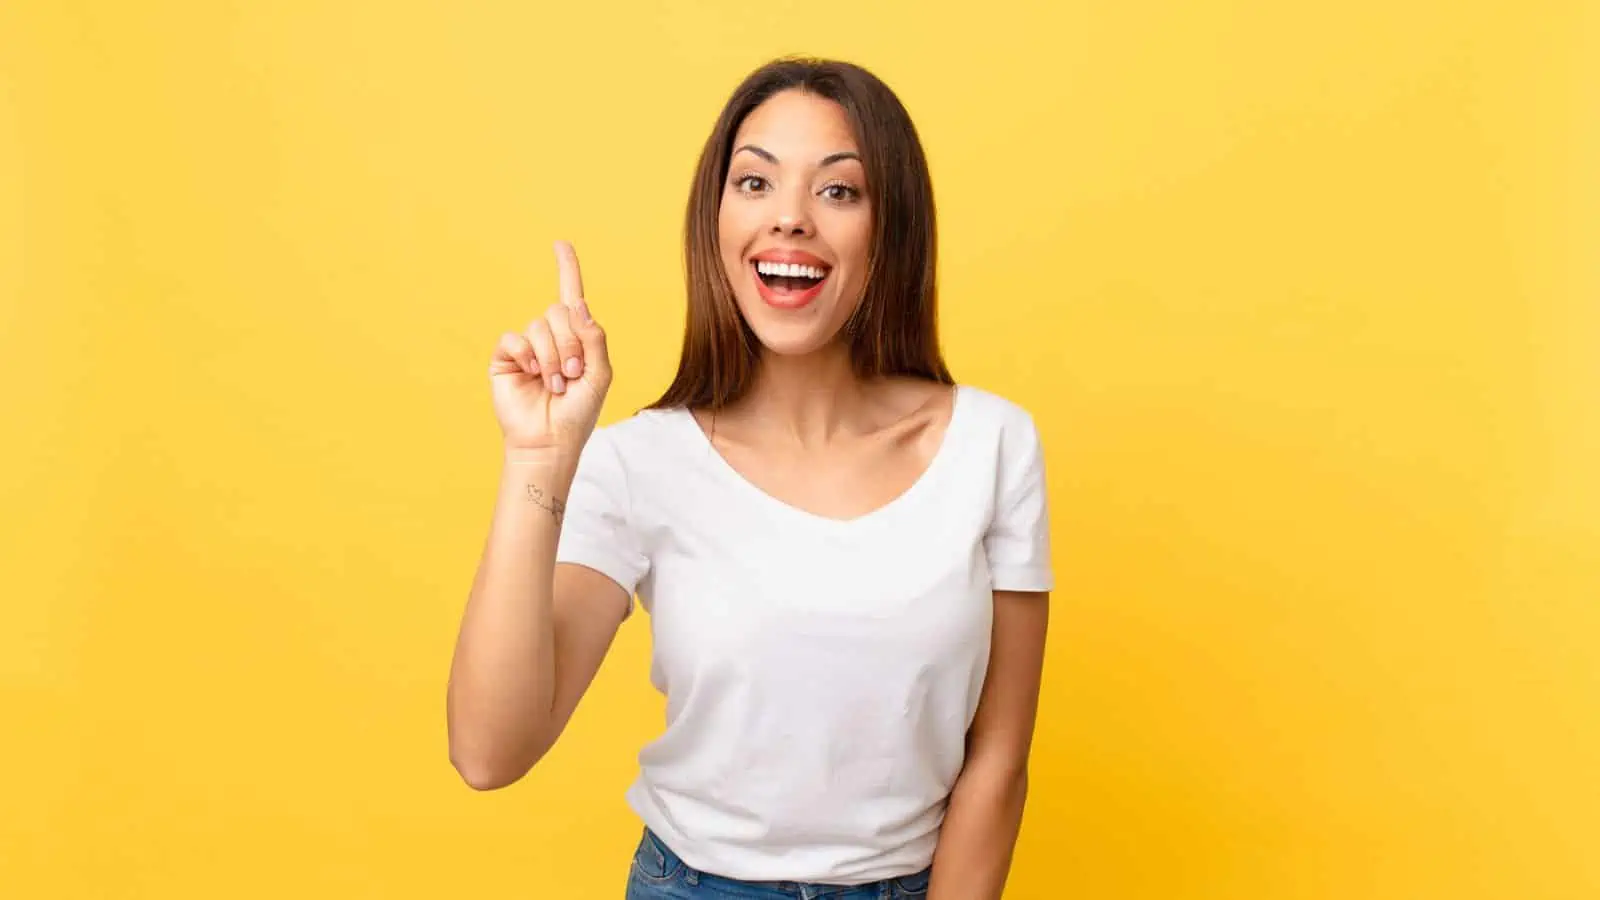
(726, 472)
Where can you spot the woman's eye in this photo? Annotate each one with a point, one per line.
(840, 193)
(751, 183)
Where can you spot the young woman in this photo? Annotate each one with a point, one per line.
(844, 553)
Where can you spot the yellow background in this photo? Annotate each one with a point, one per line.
(1305, 297)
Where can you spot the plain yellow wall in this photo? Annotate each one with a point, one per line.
(1305, 297)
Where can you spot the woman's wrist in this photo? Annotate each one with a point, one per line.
(553, 459)
(541, 476)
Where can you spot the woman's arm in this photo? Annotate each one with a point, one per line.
(985, 813)
(533, 634)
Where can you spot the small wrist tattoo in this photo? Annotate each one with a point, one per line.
(552, 505)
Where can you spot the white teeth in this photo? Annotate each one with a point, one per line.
(790, 270)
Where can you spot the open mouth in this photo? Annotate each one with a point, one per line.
(790, 278)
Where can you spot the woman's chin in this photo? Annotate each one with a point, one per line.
(793, 333)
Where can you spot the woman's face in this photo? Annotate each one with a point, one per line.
(795, 223)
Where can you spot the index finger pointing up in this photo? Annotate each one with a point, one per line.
(571, 278)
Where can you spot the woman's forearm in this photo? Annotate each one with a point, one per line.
(979, 834)
(502, 676)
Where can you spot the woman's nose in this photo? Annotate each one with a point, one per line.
(792, 221)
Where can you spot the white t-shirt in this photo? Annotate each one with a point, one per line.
(820, 674)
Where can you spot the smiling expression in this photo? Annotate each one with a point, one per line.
(795, 222)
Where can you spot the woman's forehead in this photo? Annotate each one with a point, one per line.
(799, 122)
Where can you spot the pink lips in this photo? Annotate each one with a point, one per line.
(789, 299)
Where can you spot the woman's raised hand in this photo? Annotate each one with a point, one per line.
(549, 381)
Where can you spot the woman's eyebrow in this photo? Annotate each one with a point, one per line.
(828, 160)
(757, 151)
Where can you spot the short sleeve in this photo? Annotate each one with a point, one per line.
(1018, 540)
(596, 529)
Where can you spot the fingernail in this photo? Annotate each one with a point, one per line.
(573, 367)
(583, 312)
(558, 384)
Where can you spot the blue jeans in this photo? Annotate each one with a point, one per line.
(658, 874)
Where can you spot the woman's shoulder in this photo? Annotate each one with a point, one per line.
(639, 431)
(1003, 435)
(995, 410)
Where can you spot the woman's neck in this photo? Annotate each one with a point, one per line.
(809, 399)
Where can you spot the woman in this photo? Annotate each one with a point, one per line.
(844, 553)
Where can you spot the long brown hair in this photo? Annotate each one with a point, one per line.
(894, 330)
